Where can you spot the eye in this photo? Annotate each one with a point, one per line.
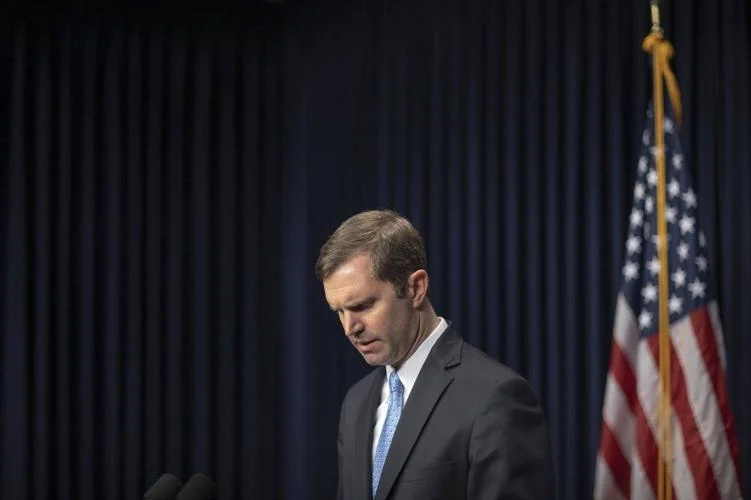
(363, 306)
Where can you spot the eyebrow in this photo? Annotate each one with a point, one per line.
(355, 304)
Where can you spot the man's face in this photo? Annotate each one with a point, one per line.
(378, 323)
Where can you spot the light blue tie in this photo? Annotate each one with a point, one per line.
(396, 400)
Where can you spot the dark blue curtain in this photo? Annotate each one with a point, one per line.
(169, 173)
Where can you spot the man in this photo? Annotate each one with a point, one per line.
(438, 418)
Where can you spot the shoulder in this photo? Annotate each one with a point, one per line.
(465, 361)
(487, 382)
(482, 369)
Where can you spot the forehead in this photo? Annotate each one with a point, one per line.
(351, 281)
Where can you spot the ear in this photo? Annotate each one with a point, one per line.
(418, 287)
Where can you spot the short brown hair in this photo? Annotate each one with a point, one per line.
(396, 248)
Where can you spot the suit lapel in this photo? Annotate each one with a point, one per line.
(429, 386)
(364, 444)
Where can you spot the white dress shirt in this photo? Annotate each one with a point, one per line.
(408, 375)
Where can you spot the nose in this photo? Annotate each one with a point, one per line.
(351, 324)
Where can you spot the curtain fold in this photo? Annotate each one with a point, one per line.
(167, 180)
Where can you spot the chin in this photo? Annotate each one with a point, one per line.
(375, 360)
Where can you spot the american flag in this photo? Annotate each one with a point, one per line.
(704, 444)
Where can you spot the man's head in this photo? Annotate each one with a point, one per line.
(373, 270)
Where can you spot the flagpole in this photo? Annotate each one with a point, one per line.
(664, 459)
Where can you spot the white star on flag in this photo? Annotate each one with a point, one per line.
(643, 162)
(630, 270)
(636, 218)
(649, 204)
(675, 305)
(683, 250)
(687, 224)
(639, 191)
(633, 244)
(701, 263)
(679, 278)
(677, 161)
(674, 188)
(670, 214)
(697, 288)
(645, 319)
(649, 293)
(689, 198)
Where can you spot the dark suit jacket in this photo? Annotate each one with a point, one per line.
(471, 428)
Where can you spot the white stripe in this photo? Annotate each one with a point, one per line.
(616, 412)
(683, 478)
(647, 385)
(626, 333)
(618, 416)
(623, 424)
(648, 391)
(625, 330)
(703, 402)
(640, 357)
(605, 487)
(641, 488)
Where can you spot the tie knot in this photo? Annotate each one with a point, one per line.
(395, 384)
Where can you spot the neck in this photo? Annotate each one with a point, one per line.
(427, 321)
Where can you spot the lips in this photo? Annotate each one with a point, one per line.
(366, 346)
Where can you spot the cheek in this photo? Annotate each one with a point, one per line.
(387, 323)
(373, 323)
(378, 323)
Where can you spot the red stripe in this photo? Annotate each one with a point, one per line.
(623, 373)
(623, 376)
(646, 446)
(619, 465)
(696, 454)
(648, 453)
(705, 336)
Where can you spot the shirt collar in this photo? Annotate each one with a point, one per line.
(409, 371)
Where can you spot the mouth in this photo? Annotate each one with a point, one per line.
(366, 346)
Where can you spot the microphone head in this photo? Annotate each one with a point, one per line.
(198, 487)
(166, 488)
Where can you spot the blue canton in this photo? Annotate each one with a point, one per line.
(689, 284)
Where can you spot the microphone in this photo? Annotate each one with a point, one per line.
(198, 487)
(165, 488)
